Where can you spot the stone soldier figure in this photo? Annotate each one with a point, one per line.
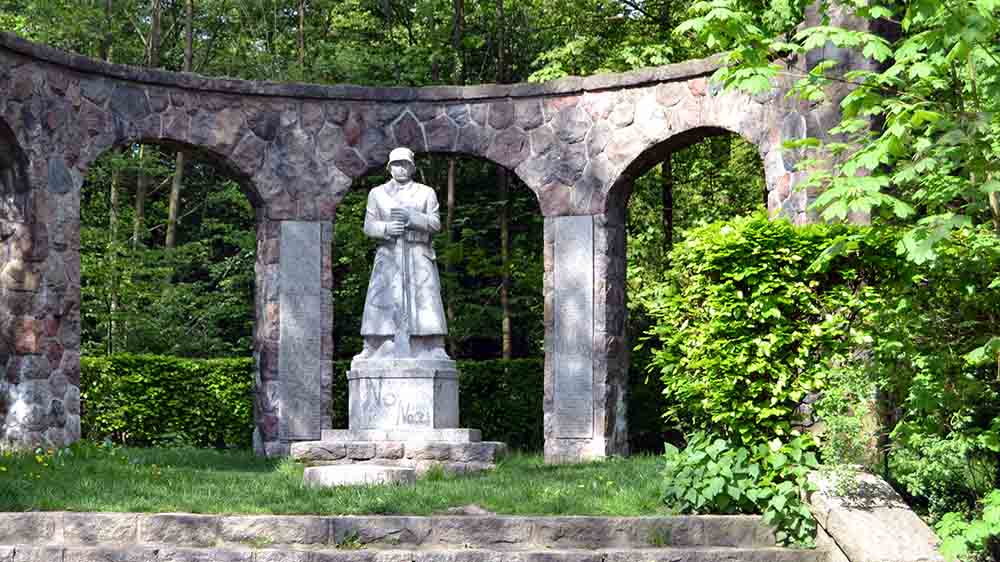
(403, 316)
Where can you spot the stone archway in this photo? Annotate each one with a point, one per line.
(574, 142)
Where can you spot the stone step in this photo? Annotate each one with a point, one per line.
(157, 553)
(311, 452)
(358, 475)
(383, 532)
(453, 435)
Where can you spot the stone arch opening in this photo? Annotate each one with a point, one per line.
(711, 167)
(621, 189)
(162, 304)
(469, 265)
(171, 305)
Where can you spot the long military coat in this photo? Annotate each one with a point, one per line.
(426, 312)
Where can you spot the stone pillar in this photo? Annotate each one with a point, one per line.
(39, 308)
(586, 356)
(293, 335)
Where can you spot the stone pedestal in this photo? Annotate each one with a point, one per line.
(403, 414)
(402, 394)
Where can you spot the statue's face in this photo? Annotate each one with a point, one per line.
(401, 170)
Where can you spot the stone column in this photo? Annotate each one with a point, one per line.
(293, 335)
(39, 308)
(586, 356)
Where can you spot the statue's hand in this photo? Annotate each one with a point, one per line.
(400, 215)
(395, 228)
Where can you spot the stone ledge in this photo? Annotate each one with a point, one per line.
(507, 533)
(265, 554)
(349, 92)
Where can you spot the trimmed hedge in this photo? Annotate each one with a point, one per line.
(156, 400)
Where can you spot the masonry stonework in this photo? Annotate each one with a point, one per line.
(577, 143)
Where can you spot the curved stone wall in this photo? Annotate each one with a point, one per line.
(577, 143)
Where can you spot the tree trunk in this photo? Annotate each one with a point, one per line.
(667, 175)
(302, 39)
(507, 345)
(504, 186)
(142, 184)
(995, 207)
(115, 205)
(178, 181)
(458, 28)
(105, 47)
(141, 188)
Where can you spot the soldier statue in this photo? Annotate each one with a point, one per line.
(403, 316)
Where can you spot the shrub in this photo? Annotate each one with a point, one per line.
(716, 475)
(156, 400)
(744, 329)
(978, 539)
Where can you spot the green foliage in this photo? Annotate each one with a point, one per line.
(151, 400)
(978, 539)
(745, 329)
(943, 440)
(715, 475)
(934, 160)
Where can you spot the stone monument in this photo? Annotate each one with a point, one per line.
(402, 387)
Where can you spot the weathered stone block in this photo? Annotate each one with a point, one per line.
(275, 530)
(27, 528)
(481, 531)
(429, 451)
(129, 553)
(389, 450)
(360, 451)
(203, 555)
(178, 529)
(95, 528)
(38, 553)
(871, 522)
(571, 124)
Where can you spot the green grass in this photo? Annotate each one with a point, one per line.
(88, 477)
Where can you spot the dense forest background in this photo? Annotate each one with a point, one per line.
(168, 238)
(743, 326)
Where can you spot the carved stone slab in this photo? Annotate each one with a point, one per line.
(573, 295)
(299, 348)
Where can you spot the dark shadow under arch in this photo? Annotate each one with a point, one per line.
(14, 185)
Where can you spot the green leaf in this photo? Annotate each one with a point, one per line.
(988, 353)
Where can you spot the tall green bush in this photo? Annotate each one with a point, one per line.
(744, 329)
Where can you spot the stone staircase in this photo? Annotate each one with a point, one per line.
(132, 537)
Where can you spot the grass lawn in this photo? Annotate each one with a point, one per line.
(88, 477)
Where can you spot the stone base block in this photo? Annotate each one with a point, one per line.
(358, 475)
(454, 435)
(394, 394)
(419, 455)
